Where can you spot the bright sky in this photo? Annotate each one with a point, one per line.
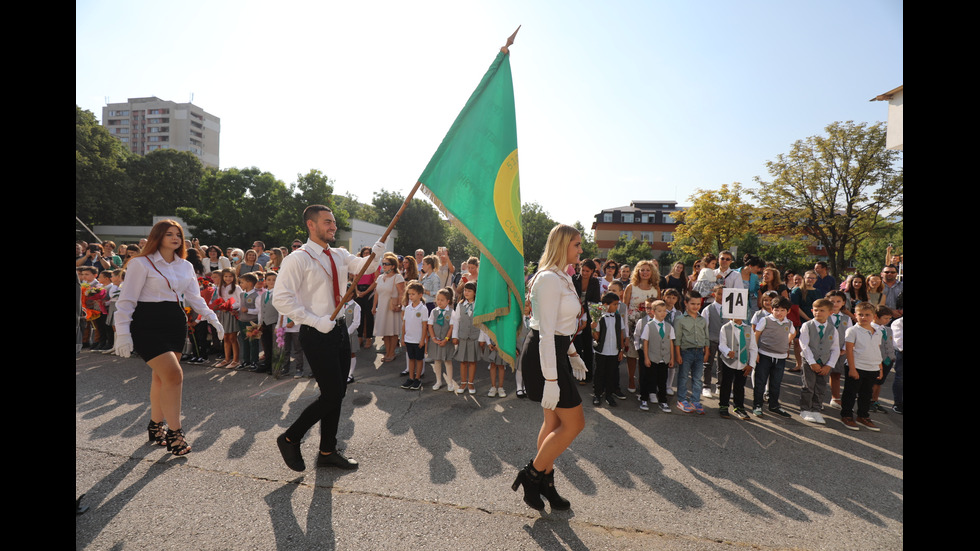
(616, 100)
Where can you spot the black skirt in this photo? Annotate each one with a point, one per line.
(569, 396)
(157, 328)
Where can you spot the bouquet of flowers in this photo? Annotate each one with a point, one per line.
(279, 357)
(596, 310)
(93, 301)
(253, 331)
(224, 304)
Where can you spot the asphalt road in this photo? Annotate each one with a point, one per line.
(436, 470)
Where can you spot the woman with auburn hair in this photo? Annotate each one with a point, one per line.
(550, 364)
(150, 320)
(644, 284)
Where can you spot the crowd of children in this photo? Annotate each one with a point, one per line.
(844, 345)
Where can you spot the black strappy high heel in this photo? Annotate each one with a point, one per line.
(176, 444)
(157, 433)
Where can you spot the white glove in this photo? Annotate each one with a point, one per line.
(324, 324)
(549, 398)
(379, 249)
(578, 367)
(217, 327)
(124, 345)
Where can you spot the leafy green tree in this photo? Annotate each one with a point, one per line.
(102, 187)
(239, 206)
(715, 220)
(420, 225)
(630, 251)
(870, 257)
(784, 252)
(835, 189)
(163, 180)
(589, 248)
(458, 246)
(535, 224)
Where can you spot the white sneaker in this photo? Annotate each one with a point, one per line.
(835, 403)
(653, 398)
(706, 393)
(501, 393)
(817, 418)
(492, 393)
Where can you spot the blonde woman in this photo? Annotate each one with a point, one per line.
(644, 284)
(550, 365)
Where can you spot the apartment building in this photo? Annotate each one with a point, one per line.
(148, 124)
(649, 221)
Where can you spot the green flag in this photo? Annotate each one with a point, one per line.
(473, 179)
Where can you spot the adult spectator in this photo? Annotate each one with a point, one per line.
(892, 287)
(609, 271)
(446, 268)
(92, 256)
(430, 280)
(110, 260)
(296, 244)
(275, 260)
(896, 260)
(825, 282)
(419, 255)
(771, 282)
(410, 270)
(131, 252)
(675, 279)
(365, 298)
(248, 264)
(729, 276)
(856, 291)
(473, 272)
(625, 271)
(263, 257)
(215, 261)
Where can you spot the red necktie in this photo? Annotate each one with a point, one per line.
(333, 279)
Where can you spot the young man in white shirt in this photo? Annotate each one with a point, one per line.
(311, 283)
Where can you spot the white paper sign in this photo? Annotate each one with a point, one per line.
(734, 303)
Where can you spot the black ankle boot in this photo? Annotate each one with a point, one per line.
(531, 480)
(558, 503)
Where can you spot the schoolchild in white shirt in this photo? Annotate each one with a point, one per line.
(820, 345)
(413, 334)
(440, 347)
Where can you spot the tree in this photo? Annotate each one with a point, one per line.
(836, 189)
(102, 188)
(715, 221)
(535, 224)
(589, 248)
(460, 248)
(630, 251)
(784, 252)
(870, 257)
(240, 206)
(420, 225)
(163, 180)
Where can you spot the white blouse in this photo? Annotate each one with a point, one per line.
(169, 282)
(554, 311)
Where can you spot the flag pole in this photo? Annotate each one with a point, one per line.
(510, 40)
(350, 290)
